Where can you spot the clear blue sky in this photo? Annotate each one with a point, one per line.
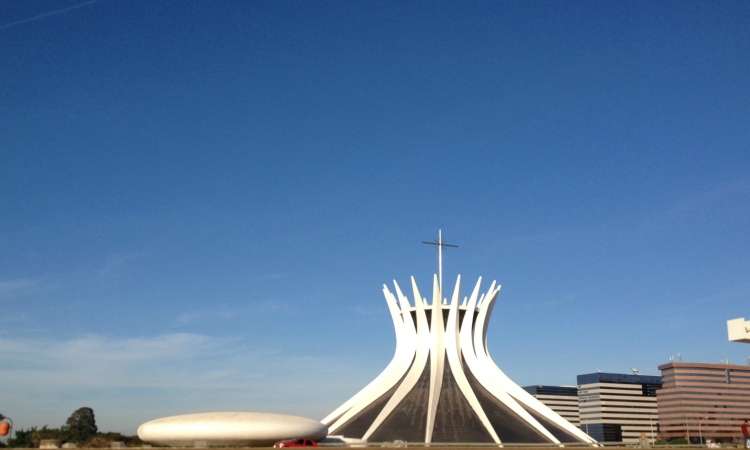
(199, 201)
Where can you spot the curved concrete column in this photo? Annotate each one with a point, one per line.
(423, 335)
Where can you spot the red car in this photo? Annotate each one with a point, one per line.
(296, 443)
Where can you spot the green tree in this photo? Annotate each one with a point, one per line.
(40, 434)
(22, 438)
(81, 425)
(31, 437)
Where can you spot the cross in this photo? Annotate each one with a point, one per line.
(439, 244)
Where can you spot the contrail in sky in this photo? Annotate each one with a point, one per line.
(47, 14)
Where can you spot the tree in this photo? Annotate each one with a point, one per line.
(31, 437)
(22, 438)
(40, 434)
(81, 425)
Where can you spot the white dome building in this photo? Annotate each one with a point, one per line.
(229, 428)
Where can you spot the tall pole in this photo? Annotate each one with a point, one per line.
(440, 245)
(440, 262)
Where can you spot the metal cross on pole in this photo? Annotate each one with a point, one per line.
(439, 244)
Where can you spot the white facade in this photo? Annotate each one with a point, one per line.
(622, 404)
(738, 330)
(442, 385)
(229, 428)
(562, 399)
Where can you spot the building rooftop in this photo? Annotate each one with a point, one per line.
(551, 390)
(678, 364)
(624, 378)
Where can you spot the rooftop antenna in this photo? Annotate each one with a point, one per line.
(439, 244)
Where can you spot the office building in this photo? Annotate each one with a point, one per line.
(618, 407)
(561, 399)
(700, 401)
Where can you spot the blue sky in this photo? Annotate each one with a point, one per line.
(199, 201)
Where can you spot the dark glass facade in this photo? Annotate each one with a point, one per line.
(552, 390)
(623, 378)
(604, 432)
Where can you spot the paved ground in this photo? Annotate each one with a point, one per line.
(447, 447)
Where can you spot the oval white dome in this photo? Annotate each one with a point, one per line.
(217, 428)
